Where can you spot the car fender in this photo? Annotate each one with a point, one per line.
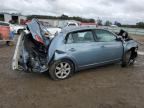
(59, 55)
(130, 44)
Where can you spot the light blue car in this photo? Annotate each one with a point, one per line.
(71, 50)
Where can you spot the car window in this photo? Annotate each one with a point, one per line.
(105, 36)
(80, 37)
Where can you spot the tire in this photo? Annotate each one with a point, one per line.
(126, 61)
(62, 69)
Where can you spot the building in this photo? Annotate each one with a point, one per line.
(57, 22)
(15, 18)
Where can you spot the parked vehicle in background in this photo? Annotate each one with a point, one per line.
(68, 24)
(49, 30)
(114, 26)
(73, 49)
(18, 28)
(52, 31)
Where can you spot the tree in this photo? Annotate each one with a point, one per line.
(108, 23)
(92, 20)
(140, 24)
(62, 17)
(99, 22)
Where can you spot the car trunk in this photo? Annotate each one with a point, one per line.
(31, 53)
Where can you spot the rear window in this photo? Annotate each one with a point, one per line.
(4, 24)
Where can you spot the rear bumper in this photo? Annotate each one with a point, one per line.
(16, 54)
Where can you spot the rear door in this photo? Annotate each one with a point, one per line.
(80, 46)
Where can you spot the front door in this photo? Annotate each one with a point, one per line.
(111, 49)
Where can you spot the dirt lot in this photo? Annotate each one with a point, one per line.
(102, 87)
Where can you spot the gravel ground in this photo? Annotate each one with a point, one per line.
(102, 87)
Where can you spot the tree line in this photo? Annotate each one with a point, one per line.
(109, 23)
(86, 20)
(62, 17)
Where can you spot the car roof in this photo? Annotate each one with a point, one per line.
(77, 28)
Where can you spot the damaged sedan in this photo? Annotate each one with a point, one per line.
(70, 50)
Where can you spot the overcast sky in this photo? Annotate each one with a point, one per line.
(125, 11)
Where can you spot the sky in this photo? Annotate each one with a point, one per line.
(124, 11)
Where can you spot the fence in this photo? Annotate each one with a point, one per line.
(133, 31)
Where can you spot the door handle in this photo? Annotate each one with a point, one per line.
(72, 50)
(103, 46)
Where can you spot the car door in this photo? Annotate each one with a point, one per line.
(110, 48)
(81, 47)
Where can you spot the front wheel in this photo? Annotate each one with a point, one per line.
(61, 69)
(127, 59)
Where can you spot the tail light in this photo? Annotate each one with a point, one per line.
(39, 39)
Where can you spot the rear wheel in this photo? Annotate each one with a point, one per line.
(61, 69)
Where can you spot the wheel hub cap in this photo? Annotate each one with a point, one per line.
(62, 70)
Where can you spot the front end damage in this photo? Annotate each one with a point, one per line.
(132, 46)
(129, 44)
